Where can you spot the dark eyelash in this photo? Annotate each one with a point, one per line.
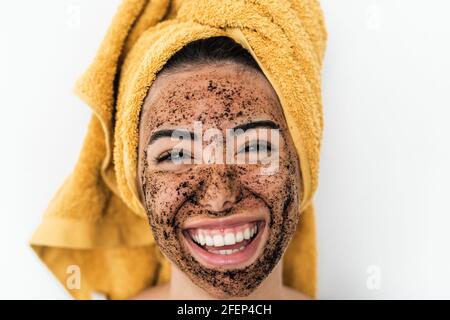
(163, 157)
(166, 156)
(248, 145)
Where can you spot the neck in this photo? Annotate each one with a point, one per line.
(182, 288)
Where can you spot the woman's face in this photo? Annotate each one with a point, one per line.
(224, 223)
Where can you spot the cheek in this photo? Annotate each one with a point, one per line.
(263, 185)
(274, 188)
(165, 192)
(163, 199)
(278, 191)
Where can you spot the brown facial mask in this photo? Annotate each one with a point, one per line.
(220, 97)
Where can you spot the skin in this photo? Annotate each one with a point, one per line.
(220, 96)
(182, 288)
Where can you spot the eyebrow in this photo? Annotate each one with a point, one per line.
(167, 133)
(256, 124)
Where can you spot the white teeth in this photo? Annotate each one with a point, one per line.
(201, 239)
(247, 234)
(229, 239)
(209, 240)
(228, 251)
(218, 240)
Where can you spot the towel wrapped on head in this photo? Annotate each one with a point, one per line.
(96, 221)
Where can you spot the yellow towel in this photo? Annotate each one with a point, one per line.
(95, 227)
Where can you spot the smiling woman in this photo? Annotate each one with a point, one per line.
(224, 225)
(158, 207)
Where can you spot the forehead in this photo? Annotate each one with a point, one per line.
(219, 96)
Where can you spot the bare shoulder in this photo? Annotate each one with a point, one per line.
(291, 294)
(160, 292)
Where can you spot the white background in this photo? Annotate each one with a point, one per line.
(383, 202)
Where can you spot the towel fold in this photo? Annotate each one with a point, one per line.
(95, 221)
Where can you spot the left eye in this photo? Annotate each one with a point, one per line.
(256, 147)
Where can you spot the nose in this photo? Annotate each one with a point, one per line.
(222, 189)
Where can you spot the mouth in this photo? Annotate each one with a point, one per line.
(226, 242)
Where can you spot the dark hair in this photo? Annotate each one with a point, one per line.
(209, 51)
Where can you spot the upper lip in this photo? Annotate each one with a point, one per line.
(222, 223)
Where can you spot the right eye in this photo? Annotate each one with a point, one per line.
(174, 155)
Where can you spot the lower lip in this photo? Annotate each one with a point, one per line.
(237, 259)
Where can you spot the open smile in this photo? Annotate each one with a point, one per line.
(231, 242)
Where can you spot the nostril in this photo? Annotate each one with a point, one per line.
(219, 194)
(239, 197)
(227, 205)
(215, 206)
(221, 203)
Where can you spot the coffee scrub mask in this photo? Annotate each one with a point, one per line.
(199, 212)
